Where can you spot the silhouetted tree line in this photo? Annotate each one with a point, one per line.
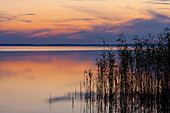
(133, 79)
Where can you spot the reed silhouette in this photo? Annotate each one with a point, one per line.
(133, 79)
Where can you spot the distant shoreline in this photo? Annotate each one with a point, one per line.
(90, 45)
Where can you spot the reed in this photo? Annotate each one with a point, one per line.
(134, 80)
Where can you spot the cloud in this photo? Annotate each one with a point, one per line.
(84, 10)
(27, 21)
(91, 12)
(76, 19)
(40, 31)
(129, 8)
(59, 24)
(164, 8)
(29, 14)
(137, 26)
(146, 26)
(162, 2)
(4, 17)
(157, 15)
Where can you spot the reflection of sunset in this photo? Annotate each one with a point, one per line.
(58, 72)
(27, 78)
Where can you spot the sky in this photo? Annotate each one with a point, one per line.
(80, 21)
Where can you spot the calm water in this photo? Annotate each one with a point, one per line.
(27, 78)
(52, 80)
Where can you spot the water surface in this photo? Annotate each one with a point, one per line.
(27, 78)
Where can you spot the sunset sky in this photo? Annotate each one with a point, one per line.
(79, 21)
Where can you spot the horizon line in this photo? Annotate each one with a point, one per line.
(71, 44)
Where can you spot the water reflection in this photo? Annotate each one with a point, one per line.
(27, 78)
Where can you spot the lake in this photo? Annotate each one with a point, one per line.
(84, 79)
(28, 78)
